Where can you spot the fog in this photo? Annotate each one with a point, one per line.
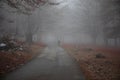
(70, 21)
(59, 39)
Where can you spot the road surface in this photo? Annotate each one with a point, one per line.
(53, 64)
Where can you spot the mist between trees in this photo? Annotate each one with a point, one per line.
(67, 21)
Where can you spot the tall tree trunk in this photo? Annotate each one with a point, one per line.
(119, 41)
(94, 41)
(106, 41)
(116, 43)
(29, 38)
(29, 34)
(16, 26)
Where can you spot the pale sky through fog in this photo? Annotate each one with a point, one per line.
(64, 21)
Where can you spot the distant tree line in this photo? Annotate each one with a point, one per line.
(102, 18)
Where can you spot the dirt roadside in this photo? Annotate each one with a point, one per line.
(10, 61)
(97, 63)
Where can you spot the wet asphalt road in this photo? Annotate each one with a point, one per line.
(53, 64)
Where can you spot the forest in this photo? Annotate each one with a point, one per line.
(98, 20)
(88, 30)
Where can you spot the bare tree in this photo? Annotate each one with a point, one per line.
(111, 19)
(25, 7)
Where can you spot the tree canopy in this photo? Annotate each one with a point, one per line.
(25, 6)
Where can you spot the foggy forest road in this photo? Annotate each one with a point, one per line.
(53, 64)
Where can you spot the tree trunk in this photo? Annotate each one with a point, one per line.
(16, 27)
(94, 41)
(106, 41)
(29, 34)
(29, 38)
(116, 43)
